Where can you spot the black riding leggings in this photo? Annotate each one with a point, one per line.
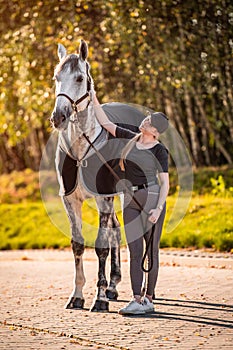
(138, 229)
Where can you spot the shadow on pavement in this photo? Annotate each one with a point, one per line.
(189, 317)
(198, 304)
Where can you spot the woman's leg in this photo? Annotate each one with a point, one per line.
(133, 225)
(153, 274)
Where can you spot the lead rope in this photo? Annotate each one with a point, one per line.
(149, 243)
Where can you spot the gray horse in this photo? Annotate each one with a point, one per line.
(82, 175)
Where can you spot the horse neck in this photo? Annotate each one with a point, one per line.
(72, 138)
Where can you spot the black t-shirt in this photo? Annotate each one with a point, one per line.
(143, 165)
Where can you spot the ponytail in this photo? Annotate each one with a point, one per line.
(127, 149)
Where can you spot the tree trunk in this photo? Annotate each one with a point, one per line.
(187, 99)
(173, 114)
(209, 128)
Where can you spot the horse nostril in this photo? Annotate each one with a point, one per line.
(57, 120)
(52, 118)
(53, 121)
(55, 124)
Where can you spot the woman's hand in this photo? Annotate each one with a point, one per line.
(155, 214)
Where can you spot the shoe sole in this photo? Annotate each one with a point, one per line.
(150, 312)
(131, 313)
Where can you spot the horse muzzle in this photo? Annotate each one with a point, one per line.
(58, 120)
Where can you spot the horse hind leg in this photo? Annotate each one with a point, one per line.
(101, 304)
(115, 274)
(102, 249)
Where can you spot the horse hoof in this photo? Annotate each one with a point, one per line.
(75, 303)
(100, 306)
(112, 294)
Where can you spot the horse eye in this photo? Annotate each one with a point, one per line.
(79, 79)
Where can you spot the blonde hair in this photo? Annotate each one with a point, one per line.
(127, 149)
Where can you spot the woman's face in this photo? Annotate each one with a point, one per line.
(146, 126)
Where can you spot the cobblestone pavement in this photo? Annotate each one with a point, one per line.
(194, 305)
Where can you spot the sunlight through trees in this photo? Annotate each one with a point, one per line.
(172, 56)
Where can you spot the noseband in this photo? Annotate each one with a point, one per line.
(75, 104)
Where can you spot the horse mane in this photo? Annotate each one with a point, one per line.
(69, 61)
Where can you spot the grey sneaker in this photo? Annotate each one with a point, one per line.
(148, 306)
(133, 308)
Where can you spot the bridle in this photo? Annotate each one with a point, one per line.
(75, 104)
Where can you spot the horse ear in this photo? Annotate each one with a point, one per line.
(83, 50)
(61, 51)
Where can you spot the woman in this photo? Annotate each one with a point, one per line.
(145, 162)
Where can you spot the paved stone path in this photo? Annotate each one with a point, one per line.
(194, 305)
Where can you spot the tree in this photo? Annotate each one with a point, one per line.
(172, 55)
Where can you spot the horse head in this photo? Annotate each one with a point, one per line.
(73, 85)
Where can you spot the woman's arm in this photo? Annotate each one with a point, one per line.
(164, 189)
(102, 117)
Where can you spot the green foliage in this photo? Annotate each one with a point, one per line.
(207, 224)
(19, 186)
(153, 53)
(219, 187)
(217, 181)
(27, 225)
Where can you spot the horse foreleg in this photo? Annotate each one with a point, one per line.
(73, 207)
(102, 250)
(76, 300)
(115, 274)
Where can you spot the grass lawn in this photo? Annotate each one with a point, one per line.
(208, 223)
(27, 225)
